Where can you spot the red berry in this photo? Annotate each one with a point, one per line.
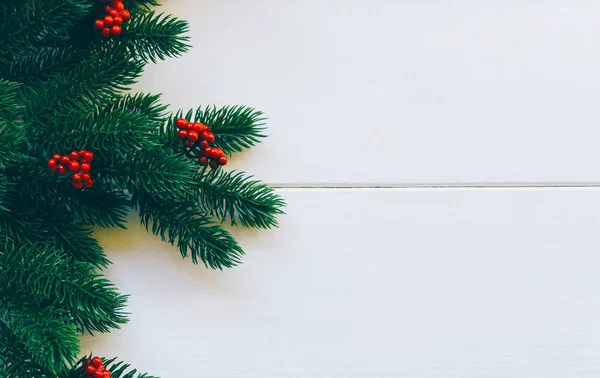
(118, 20)
(210, 137)
(188, 144)
(182, 134)
(82, 152)
(120, 6)
(113, 13)
(223, 160)
(205, 134)
(85, 167)
(88, 184)
(65, 160)
(61, 169)
(99, 373)
(86, 177)
(107, 9)
(90, 369)
(77, 176)
(181, 123)
(108, 20)
(88, 155)
(192, 135)
(74, 155)
(125, 14)
(214, 164)
(106, 374)
(203, 144)
(105, 32)
(220, 151)
(74, 166)
(99, 24)
(97, 362)
(115, 30)
(57, 157)
(203, 160)
(190, 126)
(51, 163)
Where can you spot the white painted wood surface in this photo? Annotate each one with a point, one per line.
(364, 282)
(376, 283)
(402, 91)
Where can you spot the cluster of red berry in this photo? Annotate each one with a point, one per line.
(196, 134)
(93, 368)
(78, 162)
(116, 15)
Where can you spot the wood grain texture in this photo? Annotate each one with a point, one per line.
(392, 92)
(376, 283)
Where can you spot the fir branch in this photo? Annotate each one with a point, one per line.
(190, 229)
(118, 369)
(41, 64)
(48, 333)
(154, 37)
(50, 222)
(98, 79)
(230, 195)
(39, 271)
(158, 172)
(15, 361)
(235, 127)
(99, 208)
(12, 132)
(109, 132)
(25, 24)
(146, 104)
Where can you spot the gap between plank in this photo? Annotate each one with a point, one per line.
(439, 186)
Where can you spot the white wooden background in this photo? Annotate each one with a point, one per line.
(439, 159)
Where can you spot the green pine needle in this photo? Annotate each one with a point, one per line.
(153, 37)
(41, 272)
(15, 361)
(192, 231)
(27, 25)
(236, 128)
(231, 196)
(47, 333)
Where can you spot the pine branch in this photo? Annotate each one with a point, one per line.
(12, 134)
(99, 208)
(47, 333)
(39, 271)
(230, 195)
(154, 37)
(236, 127)
(110, 132)
(146, 104)
(26, 24)
(41, 64)
(98, 79)
(166, 175)
(15, 361)
(190, 229)
(51, 223)
(118, 369)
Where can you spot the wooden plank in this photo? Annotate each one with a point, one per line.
(363, 283)
(390, 92)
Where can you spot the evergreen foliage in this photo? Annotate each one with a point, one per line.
(64, 87)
